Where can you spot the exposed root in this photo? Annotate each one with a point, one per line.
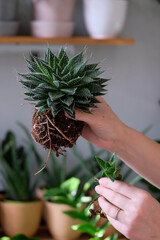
(48, 153)
(44, 164)
(59, 130)
(55, 133)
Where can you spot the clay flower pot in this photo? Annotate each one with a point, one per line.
(53, 10)
(20, 217)
(58, 223)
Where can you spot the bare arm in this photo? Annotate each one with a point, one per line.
(105, 130)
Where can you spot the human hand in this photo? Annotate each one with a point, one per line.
(102, 127)
(139, 214)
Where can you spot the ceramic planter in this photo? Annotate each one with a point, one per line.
(104, 18)
(58, 223)
(8, 10)
(53, 10)
(20, 217)
(52, 29)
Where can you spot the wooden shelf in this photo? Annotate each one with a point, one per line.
(72, 40)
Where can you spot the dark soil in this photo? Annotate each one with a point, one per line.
(55, 133)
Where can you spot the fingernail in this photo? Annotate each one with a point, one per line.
(98, 189)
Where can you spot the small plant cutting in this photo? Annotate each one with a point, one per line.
(57, 85)
(90, 223)
(110, 170)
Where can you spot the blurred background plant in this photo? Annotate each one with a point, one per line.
(16, 169)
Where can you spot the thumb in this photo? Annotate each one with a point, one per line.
(82, 116)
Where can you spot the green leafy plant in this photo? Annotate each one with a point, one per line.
(70, 192)
(89, 225)
(57, 85)
(16, 170)
(18, 237)
(110, 168)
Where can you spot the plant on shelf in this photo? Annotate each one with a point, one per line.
(71, 195)
(19, 199)
(57, 85)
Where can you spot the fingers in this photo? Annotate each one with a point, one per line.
(112, 211)
(119, 187)
(115, 198)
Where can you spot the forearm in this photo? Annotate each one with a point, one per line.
(140, 153)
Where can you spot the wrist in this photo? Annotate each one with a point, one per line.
(118, 142)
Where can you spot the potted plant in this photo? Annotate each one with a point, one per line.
(69, 196)
(53, 18)
(104, 18)
(20, 210)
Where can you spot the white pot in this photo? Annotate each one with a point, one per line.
(53, 10)
(104, 18)
(52, 29)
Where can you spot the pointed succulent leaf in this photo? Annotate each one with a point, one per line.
(54, 95)
(79, 68)
(49, 58)
(74, 82)
(101, 162)
(67, 100)
(77, 58)
(63, 58)
(84, 92)
(67, 77)
(33, 66)
(42, 109)
(69, 91)
(91, 66)
(46, 86)
(93, 73)
(40, 103)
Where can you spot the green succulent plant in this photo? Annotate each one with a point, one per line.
(57, 85)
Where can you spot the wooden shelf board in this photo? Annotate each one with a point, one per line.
(72, 40)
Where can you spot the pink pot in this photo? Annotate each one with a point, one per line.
(53, 10)
(52, 29)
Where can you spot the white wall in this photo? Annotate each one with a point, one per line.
(134, 90)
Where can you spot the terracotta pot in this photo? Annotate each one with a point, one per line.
(58, 223)
(20, 217)
(53, 10)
